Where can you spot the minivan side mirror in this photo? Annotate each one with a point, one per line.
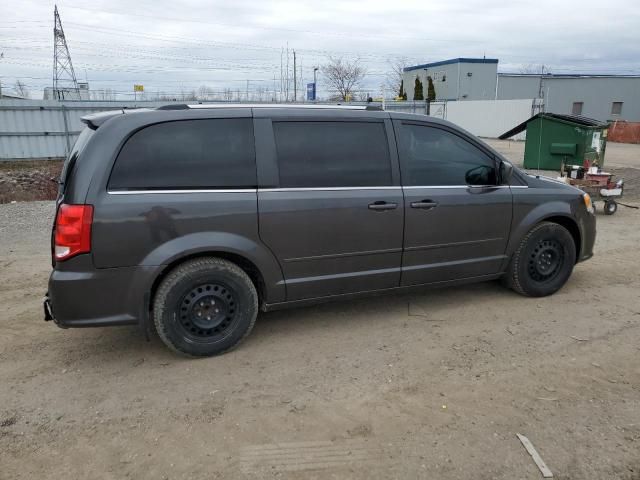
(506, 170)
(481, 176)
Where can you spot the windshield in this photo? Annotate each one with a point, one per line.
(70, 162)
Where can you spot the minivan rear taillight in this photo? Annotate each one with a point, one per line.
(73, 231)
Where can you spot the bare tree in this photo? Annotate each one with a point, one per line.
(21, 89)
(363, 96)
(186, 96)
(227, 95)
(260, 94)
(532, 68)
(204, 93)
(343, 75)
(394, 77)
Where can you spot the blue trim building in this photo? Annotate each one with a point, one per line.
(451, 62)
(455, 79)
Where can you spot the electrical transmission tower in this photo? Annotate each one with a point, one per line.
(64, 78)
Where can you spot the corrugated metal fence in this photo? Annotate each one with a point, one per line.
(46, 129)
(42, 129)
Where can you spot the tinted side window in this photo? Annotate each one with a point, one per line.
(332, 154)
(432, 156)
(188, 154)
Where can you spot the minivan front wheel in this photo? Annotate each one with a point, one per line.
(205, 307)
(543, 261)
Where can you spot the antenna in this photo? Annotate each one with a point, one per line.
(64, 77)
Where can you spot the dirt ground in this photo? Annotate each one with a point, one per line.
(432, 385)
(27, 180)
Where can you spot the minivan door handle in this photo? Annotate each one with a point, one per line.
(382, 205)
(424, 204)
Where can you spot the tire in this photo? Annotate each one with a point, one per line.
(610, 207)
(205, 307)
(543, 261)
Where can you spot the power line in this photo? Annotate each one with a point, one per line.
(261, 27)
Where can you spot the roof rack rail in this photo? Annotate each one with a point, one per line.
(174, 106)
(184, 106)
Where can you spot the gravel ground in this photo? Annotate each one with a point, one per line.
(23, 225)
(433, 385)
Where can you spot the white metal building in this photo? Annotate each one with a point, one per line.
(455, 79)
(82, 93)
(603, 97)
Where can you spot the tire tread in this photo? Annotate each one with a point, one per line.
(513, 276)
(187, 269)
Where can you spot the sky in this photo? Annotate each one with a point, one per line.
(236, 47)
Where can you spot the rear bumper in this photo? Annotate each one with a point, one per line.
(82, 296)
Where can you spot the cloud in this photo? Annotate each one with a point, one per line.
(178, 46)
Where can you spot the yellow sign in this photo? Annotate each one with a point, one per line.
(138, 88)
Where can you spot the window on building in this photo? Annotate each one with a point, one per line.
(332, 154)
(435, 157)
(188, 154)
(616, 108)
(577, 108)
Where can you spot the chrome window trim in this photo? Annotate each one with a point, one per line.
(300, 189)
(325, 189)
(186, 190)
(414, 187)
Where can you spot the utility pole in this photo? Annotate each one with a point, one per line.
(247, 90)
(274, 88)
(315, 84)
(295, 78)
(540, 91)
(286, 88)
(280, 95)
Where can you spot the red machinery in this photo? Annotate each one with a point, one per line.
(598, 184)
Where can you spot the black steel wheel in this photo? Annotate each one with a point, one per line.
(205, 307)
(543, 261)
(208, 311)
(546, 260)
(610, 207)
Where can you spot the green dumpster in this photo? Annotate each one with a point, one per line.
(554, 139)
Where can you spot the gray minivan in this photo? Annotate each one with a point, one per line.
(193, 218)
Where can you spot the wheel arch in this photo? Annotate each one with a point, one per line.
(244, 263)
(554, 215)
(571, 225)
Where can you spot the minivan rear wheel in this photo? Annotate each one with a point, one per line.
(205, 307)
(543, 261)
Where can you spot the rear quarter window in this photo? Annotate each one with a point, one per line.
(76, 151)
(187, 154)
